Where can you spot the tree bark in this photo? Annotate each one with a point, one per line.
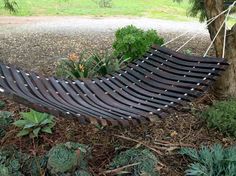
(225, 86)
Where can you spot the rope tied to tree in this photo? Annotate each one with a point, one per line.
(228, 10)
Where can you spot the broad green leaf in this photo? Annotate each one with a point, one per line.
(20, 123)
(23, 133)
(47, 130)
(36, 131)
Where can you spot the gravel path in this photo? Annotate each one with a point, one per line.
(37, 42)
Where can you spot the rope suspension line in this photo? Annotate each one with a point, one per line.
(228, 10)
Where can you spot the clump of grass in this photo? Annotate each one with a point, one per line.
(222, 116)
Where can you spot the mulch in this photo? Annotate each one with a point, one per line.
(164, 137)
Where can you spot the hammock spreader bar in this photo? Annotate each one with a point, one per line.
(158, 83)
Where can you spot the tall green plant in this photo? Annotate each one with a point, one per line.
(132, 42)
(88, 65)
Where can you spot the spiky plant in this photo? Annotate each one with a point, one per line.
(214, 161)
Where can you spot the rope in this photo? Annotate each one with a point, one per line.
(174, 39)
(208, 23)
(229, 9)
(187, 42)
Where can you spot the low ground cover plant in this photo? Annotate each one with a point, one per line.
(6, 120)
(68, 158)
(132, 42)
(211, 161)
(33, 123)
(222, 116)
(141, 161)
(15, 163)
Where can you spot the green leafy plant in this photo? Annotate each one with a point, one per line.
(67, 158)
(107, 63)
(75, 66)
(5, 121)
(141, 161)
(32, 123)
(89, 65)
(213, 161)
(222, 116)
(188, 52)
(132, 42)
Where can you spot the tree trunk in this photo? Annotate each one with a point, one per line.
(225, 86)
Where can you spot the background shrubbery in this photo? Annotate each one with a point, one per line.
(130, 44)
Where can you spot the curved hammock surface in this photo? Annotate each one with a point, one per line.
(159, 82)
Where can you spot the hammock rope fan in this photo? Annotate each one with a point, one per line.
(153, 86)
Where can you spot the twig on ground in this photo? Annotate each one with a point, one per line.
(117, 170)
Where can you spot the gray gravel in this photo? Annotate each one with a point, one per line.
(36, 43)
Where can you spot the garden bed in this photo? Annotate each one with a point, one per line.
(164, 136)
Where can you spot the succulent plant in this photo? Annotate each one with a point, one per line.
(66, 158)
(82, 173)
(5, 120)
(10, 163)
(144, 161)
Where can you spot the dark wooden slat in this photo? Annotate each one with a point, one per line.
(155, 85)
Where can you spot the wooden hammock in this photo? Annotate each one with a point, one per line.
(154, 85)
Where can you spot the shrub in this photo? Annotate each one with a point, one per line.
(211, 161)
(222, 115)
(132, 42)
(66, 158)
(88, 65)
(32, 123)
(144, 161)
